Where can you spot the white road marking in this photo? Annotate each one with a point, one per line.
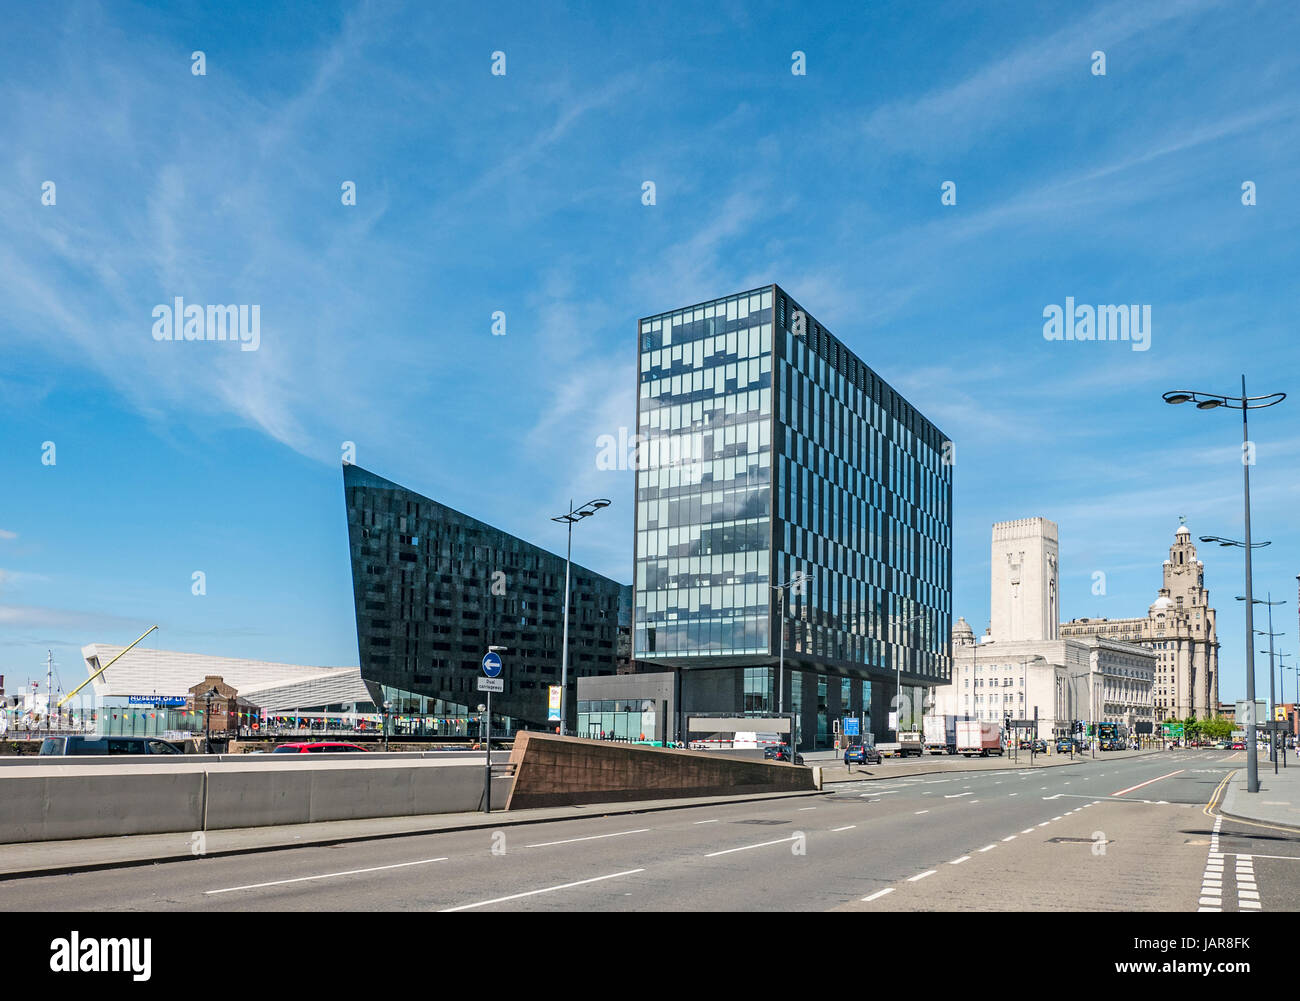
(325, 875)
(594, 837)
(919, 812)
(1010, 837)
(878, 894)
(987, 848)
(803, 808)
(745, 848)
(547, 889)
(1148, 782)
(956, 795)
(836, 830)
(1027, 830)
(928, 872)
(959, 861)
(713, 821)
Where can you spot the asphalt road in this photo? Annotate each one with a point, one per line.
(1118, 834)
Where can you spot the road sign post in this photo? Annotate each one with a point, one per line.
(489, 684)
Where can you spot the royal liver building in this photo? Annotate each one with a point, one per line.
(1179, 627)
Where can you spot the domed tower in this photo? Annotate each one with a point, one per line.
(962, 634)
(1182, 621)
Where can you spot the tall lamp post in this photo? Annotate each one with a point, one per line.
(575, 515)
(1281, 687)
(1272, 692)
(1244, 403)
(797, 581)
(1279, 745)
(898, 684)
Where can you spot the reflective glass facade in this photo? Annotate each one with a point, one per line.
(703, 498)
(434, 587)
(773, 450)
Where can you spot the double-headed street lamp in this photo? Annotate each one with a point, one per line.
(1272, 693)
(1244, 403)
(898, 683)
(575, 515)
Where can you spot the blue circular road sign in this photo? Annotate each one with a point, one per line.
(491, 665)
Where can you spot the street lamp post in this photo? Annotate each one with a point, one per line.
(898, 685)
(1272, 692)
(574, 515)
(208, 696)
(797, 581)
(387, 708)
(1244, 403)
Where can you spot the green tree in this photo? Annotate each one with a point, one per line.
(1218, 728)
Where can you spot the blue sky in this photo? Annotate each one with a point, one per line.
(523, 193)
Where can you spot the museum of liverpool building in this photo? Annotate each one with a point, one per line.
(773, 451)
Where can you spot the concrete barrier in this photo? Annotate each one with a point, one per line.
(560, 771)
(43, 807)
(110, 796)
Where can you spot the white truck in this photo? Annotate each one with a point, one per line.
(940, 734)
(976, 737)
(909, 742)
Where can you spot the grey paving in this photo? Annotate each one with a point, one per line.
(1278, 799)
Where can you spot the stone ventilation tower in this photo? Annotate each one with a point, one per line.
(1024, 590)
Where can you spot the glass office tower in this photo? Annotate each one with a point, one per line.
(770, 449)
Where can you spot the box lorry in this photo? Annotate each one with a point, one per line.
(909, 742)
(976, 737)
(940, 734)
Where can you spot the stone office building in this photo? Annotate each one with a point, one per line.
(1180, 628)
(1024, 667)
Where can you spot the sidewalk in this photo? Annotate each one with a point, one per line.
(45, 858)
(892, 768)
(1278, 799)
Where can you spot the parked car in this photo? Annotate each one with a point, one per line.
(318, 747)
(1039, 747)
(107, 745)
(1066, 744)
(861, 754)
(781, 752)
(1239, 745)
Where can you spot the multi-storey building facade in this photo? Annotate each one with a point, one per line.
(775, 451)
(434, 588)
(1180, 628)
(1024, 668)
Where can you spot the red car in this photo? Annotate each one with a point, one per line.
(318, 747)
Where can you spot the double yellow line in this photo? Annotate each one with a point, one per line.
(1211, 809)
